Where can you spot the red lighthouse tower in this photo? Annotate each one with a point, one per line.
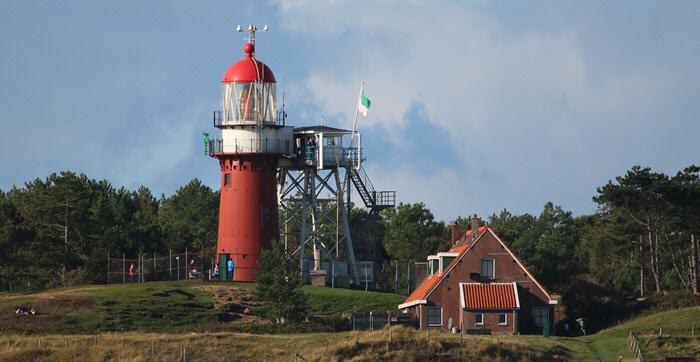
(253, 140)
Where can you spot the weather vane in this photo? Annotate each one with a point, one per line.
(251, 32)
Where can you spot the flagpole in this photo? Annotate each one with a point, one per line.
(357, 112)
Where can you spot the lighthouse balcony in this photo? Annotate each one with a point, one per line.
(249, 145)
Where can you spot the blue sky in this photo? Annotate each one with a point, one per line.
(477, 106)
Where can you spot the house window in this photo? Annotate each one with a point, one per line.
(541, 315)
(227, 179)
(502, 319)
(487, 270)
(435, 316)
(479, 319)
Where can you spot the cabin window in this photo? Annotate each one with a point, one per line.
(479, 319)
(541, 315)
(502, 319)
(487, 268)
(331, 141)
(435, 316)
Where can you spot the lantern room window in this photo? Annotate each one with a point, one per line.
(249, 103)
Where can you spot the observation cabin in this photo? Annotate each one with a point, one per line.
(325, 147)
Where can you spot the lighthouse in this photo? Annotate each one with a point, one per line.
(253, 140)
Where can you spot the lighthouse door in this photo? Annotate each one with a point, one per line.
(223, 271)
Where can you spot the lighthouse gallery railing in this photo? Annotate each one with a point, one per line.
(250, 145)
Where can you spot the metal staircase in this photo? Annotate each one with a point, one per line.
(376, 201)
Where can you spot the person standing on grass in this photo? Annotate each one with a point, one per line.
(132, 272)
(229, 266)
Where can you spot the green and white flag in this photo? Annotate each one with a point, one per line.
(363, 103)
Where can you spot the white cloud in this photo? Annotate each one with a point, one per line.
(537, 116)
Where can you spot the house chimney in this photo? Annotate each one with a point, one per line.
(475, 227)
(455, 233)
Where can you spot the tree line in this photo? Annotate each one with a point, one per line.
(57, 231)
(643, 238)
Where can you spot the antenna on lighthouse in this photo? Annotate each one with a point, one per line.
(251, 32)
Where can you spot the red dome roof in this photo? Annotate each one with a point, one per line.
(248, 69)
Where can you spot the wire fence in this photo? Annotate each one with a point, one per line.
(397, 276)
(158, 267)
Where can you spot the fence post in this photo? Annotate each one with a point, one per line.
(408, 279)
(170, 265)
(123, 268)
(155, 274)
(396, 282)
(107, 269)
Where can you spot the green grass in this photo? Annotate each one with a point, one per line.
(336, 301)
(160, 307)
(676, 327)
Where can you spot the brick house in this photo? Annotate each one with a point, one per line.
(480, 286)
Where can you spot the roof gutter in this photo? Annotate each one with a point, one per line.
(413, 303)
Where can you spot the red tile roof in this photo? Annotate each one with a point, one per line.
(489, 296)
(431, 281)
(424, 288)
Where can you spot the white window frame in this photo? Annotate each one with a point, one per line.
(476, 319)
(427, 316)
(493, 269)
(505, 319)
(535, 317)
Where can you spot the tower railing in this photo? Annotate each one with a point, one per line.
(250, 145)
(375, 200)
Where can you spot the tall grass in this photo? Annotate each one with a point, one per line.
(396, 343)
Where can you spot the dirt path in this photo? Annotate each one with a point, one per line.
(238, 301)
(54, 294)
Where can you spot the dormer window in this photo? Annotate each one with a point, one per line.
(433, 265)
(445, 259)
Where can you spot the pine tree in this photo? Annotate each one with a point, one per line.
(279, 286)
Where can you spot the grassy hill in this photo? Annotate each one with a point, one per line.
(185, 306)
(675, 339)
(155, 321)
